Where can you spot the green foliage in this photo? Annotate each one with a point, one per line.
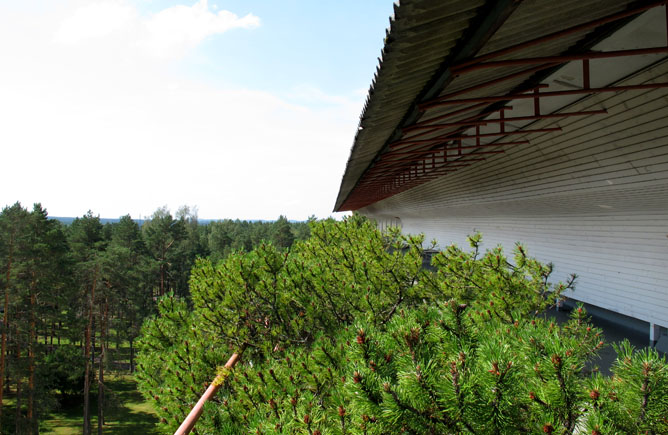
(448, 369)
(268, 300)
(347, 333)
(227, 236)
(635, 398)
(34, 283)
(177, 358)
(491, 281)
(60, 281)
(62, 371)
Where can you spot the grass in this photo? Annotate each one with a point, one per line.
(129, 413)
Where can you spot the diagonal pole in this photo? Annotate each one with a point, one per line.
(189, 423)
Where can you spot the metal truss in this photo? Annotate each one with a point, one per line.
(437, 146)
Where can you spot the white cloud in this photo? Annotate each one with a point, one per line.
(168, 33)
(180, 27)
(95, 20)
(119, 133)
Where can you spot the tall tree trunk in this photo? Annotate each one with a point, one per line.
(5, 323)
(18, 386)
(87, 350)
(100, 381)
(60, 327)
(103, 351)
(31, 358)
(132, 354)
(162, 277)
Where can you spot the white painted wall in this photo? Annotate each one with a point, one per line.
(592, 199)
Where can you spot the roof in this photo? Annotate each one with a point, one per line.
(450, 70)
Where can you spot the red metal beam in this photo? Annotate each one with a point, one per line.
(372, 186)
(556, 60)
(504, 120)
(432, 103)
(451, 114)
(391, 166)
(488, 145)
(390, 176)
(498, 80)
(559, 34)
(464, 122)
(510, 97)
(447, 125)
(435, 141)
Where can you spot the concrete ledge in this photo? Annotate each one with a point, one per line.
(616, 319)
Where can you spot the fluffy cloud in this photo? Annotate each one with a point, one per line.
(168, 33)
(94, 20)
(88, 124)
(180, 27)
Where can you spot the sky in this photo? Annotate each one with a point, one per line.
(241, 108)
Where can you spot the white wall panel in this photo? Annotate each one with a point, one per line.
(592, 199)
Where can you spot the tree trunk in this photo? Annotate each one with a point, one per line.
(5, 325)
(31, 358)
(100, 381)
(162, 277)
(132, 354)
(103, 351)
(87, 350)
(18, 387)
(60, 327)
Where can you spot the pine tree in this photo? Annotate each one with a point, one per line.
(347, 333)
(45, 271)
(162, 234)
(282, 235)
(87, 245)
(13, 234)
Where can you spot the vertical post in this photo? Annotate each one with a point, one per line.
(585, 74)
(502, 115)
(654, 334)
(536, 102)
(477, 138)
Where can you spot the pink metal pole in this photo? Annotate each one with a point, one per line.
(189, 423)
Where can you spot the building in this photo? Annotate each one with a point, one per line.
(536, 121)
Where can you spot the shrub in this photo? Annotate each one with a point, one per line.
(347, 333)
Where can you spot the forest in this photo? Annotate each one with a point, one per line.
(74, 298)
(319, 327)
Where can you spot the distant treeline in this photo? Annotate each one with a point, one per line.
(72, 294)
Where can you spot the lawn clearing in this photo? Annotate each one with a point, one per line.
(129, 413)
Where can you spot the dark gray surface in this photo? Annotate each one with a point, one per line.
(613, 332)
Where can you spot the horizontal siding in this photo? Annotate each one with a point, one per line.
(592, 199)
(622, 272)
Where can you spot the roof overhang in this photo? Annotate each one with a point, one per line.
(459, 80)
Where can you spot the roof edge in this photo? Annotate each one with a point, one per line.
(481, 29)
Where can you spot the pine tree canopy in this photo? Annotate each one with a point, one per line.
(347, 333)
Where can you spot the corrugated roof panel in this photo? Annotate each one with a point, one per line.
(424, 33)
(419, 20)
(535, 18)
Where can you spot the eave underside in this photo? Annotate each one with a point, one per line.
(428, 116)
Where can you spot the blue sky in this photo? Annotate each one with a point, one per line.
(243, 109)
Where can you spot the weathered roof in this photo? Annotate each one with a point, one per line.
(418, 77)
